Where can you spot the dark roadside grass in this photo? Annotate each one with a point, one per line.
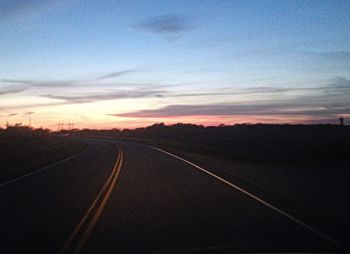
(24, 150)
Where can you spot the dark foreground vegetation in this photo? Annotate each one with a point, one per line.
(23, 149)
(279, 143)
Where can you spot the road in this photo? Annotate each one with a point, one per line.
(120, 197)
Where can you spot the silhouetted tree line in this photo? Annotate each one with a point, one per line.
(23, 148)
(18, 139)
(19, 130)
(259, 141)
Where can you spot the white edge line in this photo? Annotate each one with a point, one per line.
(43, 169)
(281, 212)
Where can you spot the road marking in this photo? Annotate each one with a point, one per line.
(43, 169)
(281, 212)
(79, 236)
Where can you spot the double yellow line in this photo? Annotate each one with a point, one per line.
(81, 233)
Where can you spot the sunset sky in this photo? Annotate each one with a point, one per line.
(125, 64)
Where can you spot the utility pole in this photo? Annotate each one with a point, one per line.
(60, 126)
(70, 126)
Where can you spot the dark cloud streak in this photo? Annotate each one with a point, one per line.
(167, 24)
(66, 83)
(237, 110)
(36, 83)
(11, 90)
(114, 74)
(123, 94)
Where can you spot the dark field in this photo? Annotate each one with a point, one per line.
(23, 150)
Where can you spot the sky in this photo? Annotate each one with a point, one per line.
(126, 64)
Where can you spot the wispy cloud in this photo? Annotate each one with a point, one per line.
(339, 85)
(34, 105)
(66, 83)
(115, 74)
(244, 91)
(325, 101)
(237, 110)
(11, 90)
(122, 94)
(166, 24)
(16, 81)
(39, 83)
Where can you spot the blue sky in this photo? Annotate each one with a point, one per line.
(106, 64)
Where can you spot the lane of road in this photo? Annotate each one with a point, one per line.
(77, 240)
(141, 201)
(39, 212)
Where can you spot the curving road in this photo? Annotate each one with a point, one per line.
(120, 197)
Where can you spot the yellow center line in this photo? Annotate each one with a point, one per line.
(104, 194)
(98, 213)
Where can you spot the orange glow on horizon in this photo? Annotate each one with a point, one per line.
(131, 123)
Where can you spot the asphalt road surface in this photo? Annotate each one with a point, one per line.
(120, 197)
